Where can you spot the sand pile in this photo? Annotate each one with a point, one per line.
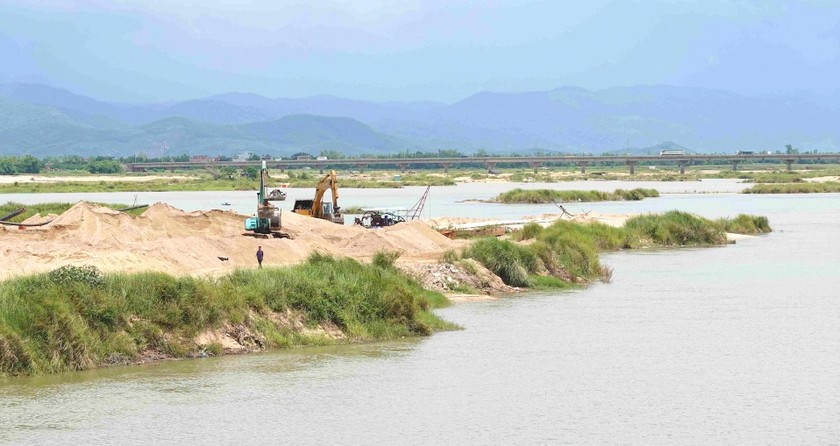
(167, 239)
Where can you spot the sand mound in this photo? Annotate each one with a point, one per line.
(164, 238)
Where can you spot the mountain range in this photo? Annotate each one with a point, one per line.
(44, 120)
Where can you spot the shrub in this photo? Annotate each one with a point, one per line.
(68, 274)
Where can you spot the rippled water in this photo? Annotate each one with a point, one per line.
(731, 345)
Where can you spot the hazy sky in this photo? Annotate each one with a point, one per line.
(133, 50)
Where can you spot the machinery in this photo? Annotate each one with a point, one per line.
(378, 219)
(317, 207)
(267, 220)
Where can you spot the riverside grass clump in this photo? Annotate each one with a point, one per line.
(794, 188)
(567, 252)
(79, 318)
(536, 196)
(746, 224)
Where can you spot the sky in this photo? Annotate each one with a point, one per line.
(410, 50)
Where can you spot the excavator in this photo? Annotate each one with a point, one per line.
(267, 220)
(318, 208)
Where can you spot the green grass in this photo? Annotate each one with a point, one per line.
(565, 196)
(76, 318)
(673, 228)
(794, 188)
(746, 224)
(203, 183)
(53, 208)
(567, 253)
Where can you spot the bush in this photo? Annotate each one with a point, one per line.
(68, 274)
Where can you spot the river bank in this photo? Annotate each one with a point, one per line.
(215, 180)
(65, 314)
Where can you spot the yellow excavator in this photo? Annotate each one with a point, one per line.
(318, 208)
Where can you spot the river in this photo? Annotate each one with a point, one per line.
(731, 345)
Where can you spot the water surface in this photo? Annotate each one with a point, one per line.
(731, 345)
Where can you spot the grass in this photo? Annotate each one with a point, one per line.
(746, 224)
(77, 318)
(201, 183)
(566, 253)
(564, 196)
(794, 188)
(53, 208)
(673, 229)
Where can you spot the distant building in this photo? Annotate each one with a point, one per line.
(200, 159)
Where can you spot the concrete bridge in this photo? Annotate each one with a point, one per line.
(491, 162)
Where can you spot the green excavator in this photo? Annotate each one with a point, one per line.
(267, 222)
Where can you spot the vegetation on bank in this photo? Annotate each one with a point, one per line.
(567, 252)
(75, 318)
(304, 179)
(564, 196)
(794, 188)
(746, 224)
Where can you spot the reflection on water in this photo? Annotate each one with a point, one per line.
(732, 345)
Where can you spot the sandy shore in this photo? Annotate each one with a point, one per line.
(167, 239)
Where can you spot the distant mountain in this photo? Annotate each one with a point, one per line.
(43, 130)
(566, 119)
(578, 120)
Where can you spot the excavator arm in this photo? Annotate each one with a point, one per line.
(329, 182)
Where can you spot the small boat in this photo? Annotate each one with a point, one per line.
(225, 204)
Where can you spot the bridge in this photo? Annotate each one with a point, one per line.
(491, 162)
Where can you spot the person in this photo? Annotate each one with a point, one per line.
(259, 255)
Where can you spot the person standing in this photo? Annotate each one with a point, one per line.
(259, 255)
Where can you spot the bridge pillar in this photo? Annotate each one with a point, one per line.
(282, 167)
(632, 165)
(490, 165)
(735, 165)
(536, 165)
(361, 167)
(583, 165)
(403, 167)
(682, 166)
(445, 167)
(789, 163)
(320, 168)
